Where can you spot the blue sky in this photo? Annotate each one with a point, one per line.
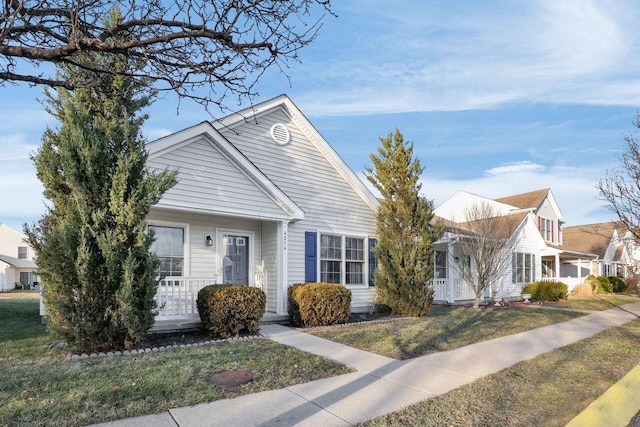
(499, 97)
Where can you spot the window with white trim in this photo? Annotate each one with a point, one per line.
(22, 252)
(354, 261)
(522, 268)
(342, 259)
(546, 229)
(169, 247)
(440, 270)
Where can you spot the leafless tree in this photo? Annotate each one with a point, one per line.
(485, 242)
(621, 188)
(203, 50)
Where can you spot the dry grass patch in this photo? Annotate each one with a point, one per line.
(596, 302)
(445, 328)
(546, 391)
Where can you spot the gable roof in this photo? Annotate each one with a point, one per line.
(512, 223)
(205, 131)
(590, 238)
(18, 263)
(310, 132)
(454, 208)
(529, 200)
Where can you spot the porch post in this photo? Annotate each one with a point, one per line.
(579, 268)
(283, 273)
(451, 296)
(557, 259)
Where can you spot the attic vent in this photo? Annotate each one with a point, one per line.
(280, 134)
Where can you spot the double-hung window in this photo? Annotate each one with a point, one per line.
(546, 229)
(169, 247)
(354, 261)
(22, 252)
(523, 268)
(342, 259)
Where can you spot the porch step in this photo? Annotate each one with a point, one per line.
(273, 318)
(193, 323)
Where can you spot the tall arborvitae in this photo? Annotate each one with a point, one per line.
(405, 232)
(93, 249)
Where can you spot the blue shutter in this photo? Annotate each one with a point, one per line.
(310, 256)
(373, 263)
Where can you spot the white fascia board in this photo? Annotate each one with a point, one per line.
(206, 130)
(454, 208)
(554, 204)
(311, 133)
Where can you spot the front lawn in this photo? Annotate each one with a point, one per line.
(548, 390)
(39, 388)
(596, 302)
(445, 328)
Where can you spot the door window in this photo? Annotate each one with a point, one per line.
(235, 264)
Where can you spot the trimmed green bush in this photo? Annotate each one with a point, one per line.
(228, 310)
(294, 307)
(547, 291)
(318, 304)
(619, 285)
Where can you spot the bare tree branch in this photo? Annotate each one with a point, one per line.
(221, 46)
(485, 242)
(621, 188)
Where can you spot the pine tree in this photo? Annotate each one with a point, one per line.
(92, 245)
(404, 226)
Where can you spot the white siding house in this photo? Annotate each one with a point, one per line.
(17, 264)
(546, 250)
(522, 266)
(263, 200)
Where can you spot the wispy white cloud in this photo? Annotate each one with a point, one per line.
(426, 58)
(573, 187)
(515, 167)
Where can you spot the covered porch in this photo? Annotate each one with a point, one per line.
(199, 249)
(568, 267)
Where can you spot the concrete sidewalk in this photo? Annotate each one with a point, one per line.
(381, 385)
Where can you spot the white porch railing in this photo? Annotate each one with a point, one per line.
(571, 282)
(462, 290)
(440, 289)
(176, 296)
(452, 290)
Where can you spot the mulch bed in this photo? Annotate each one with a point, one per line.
(197, 336)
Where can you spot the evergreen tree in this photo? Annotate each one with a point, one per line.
(405, 231)
(92, 245)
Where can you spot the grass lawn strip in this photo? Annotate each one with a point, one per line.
(445, 328)
(548, 390)
(39, 388)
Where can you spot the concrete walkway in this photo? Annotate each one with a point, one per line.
(381, 385)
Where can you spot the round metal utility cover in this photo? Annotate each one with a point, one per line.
(228, 379)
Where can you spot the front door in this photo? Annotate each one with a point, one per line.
(235, 264)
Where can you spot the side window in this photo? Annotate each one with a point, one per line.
(22, 252)
(169, 247)
(440, 270)
(330, 258)
(522, 268)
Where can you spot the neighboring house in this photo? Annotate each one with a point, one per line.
(523, 266)
(263, 200)
(16, 260)
(546, 250)
(608, 242)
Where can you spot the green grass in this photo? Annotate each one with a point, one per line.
(548, 390)
(596, 302)
(444, 329)
(39, 388)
